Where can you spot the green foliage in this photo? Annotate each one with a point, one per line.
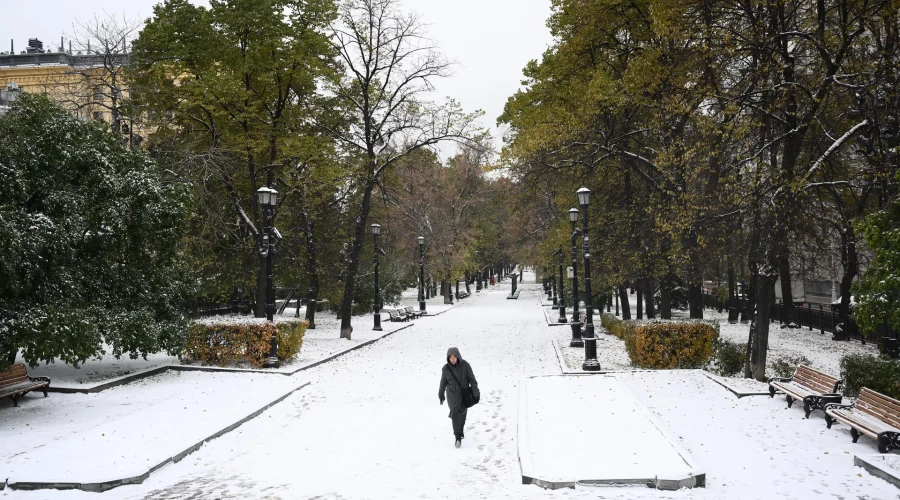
(231, 89)
(878, 291)
(785, 365)
(669, 344)
(616, 326)
(290, 338)
(864, 370)
(88, 242)
(224, 344)
(728, 358)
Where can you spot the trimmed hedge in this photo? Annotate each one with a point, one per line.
(615, 326)
(864, 370)
(670, 344)
(223, 344)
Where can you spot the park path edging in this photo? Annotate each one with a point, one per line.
(565, 370)
(102, 486)
(132, 377)
(734, 391)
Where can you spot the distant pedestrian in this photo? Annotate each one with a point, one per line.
(458, 380)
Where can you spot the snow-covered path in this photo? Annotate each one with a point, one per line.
(370, 427)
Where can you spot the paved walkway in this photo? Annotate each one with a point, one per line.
(370, 426)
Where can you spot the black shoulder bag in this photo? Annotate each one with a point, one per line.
(468, 395)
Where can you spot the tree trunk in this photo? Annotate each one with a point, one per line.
(468, 278)
(749, 311)
(359, 235)
(695, 299)
(623, 297)
(665, 298)
(312, 297)
(312, 300)
(640, 298)
(732, 300)
(765, 297)
(850, 265)
(784, 271)
(649, 290)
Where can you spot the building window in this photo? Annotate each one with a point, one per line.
(98, 115)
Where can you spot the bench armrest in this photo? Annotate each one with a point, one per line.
(781, 379)
(39, 379)
(838, 406)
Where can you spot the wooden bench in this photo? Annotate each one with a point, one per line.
(814, 388)
(14, 383)
(412, 313)
(396, 316)
(872, 414)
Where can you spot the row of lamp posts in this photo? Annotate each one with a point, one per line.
(582, 334)
(268, 199)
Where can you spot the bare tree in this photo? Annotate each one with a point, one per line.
(390, 67)
(95, 84)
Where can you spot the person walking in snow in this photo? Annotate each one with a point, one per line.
(456, 379)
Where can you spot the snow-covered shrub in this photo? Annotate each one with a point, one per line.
(785, 364)
(224, 344)
(670, 344)
(864, 370)
(728, 358)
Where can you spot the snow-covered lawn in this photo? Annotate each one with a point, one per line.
(559, 442)
(126, 430)
(370, 426)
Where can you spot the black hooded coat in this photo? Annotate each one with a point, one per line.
(463, 372)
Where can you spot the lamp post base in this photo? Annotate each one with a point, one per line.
(576, 335)
(422, 308)
(272, 362)
(377, 326)
(591, 365)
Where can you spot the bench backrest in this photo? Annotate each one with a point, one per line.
(394, 314)
(409, 309)
(14, 375)
(879, 406)
(815, 380)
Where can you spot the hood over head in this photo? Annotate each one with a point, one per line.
(454, 351)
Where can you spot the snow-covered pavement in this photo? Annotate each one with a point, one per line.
(370, 426)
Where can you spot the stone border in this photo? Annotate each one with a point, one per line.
(696, 478)
(132, 377)
(731, 389)
(565, 370)
(872, 466)
(115, 483)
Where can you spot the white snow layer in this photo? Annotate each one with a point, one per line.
(370, 425)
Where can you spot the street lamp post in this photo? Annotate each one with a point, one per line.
(421, 241)
(576, 318)
(591, 363)
(562, 289)
(376, 230)
(267, 198)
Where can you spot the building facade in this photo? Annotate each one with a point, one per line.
(90, 85)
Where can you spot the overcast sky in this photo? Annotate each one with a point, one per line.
(491, 40)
